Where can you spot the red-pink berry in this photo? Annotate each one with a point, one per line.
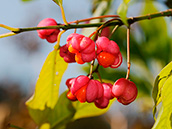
(79, 82)
(69, 82)
(107, 96)
(94, 91)
(108, 90)
(85, 89)
(102, 102)
(125, 91)
(83, 48)
(49, 34)
(70, 96)
(67, 56)
(108, 53)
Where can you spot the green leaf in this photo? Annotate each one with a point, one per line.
(84, 110)
(122, 11)
(57, 117)
(164, 120)
(39, 116)
(159, 84)
(47, 86)
(58, 2)
(62, 113)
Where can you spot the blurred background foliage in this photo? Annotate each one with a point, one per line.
(151, 50)
(150, 47)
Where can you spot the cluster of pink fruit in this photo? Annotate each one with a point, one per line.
(88, 90)
(82, 49)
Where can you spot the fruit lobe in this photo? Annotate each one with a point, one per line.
(49, 34)
(81, 94)
(125, 91)
(108, 53)
(70, 96)
(67, 56)
(106, 59)
(83, 48)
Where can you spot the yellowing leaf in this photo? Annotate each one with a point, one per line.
(45, 126)
(164, 120)
(47, 86)
(159, 84)
(84, 110)
(57, 117)
(126, 1)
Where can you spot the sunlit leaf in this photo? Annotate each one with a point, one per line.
(45, 126)
(126, 1)
(164, 120)
(159, 84)
(47, 86)
(62, 113)
(84, 110)
(58, 2)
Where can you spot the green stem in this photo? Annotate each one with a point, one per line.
(150, 16)
(113, 31)
(97, 72)
(114, 23)
(103, 25)
(14, 126)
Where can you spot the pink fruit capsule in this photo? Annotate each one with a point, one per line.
(125, 91)
(49, 34)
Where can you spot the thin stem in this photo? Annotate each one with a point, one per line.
(92, 18)
(9, 28)
(91, 68)
(113, 31)
(14, 126)
(95, 32)
(64, 27)
(150, 16)
(7, 34)
(63, 15)
(128, 53)
(98, 74)
(70, 26)
(58, 39)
